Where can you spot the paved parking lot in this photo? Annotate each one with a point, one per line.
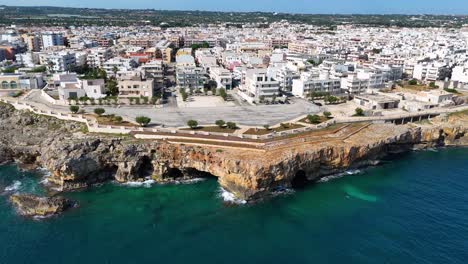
(175, 117)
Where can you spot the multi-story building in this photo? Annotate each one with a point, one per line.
(33, 42)
(52, 39)
(191, 77)
(154, 70)
(311, 82)
(58, 61)
(431, 71)
(98, 56)
(258, 86)
(135, 85)
(222, 77)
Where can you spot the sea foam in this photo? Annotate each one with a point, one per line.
(340, 175)
(230, 197)
(14, 187)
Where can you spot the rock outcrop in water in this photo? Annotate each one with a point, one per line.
(77, 160)
(35, 206)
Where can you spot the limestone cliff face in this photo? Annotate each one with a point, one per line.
(77, 160)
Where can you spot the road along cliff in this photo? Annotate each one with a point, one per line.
(77, 159)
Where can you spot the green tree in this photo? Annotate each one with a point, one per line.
(74, 109)
(192, 124)
(327, 114)
(313, 119)
(143, 120)
(220, 123)
(413, 82)
(222, 93)
(267, 127)
(99, 111)
(359, 112)
(231, 125)
(112, 87)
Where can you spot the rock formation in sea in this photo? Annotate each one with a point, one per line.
(77, 159)
(35, 206)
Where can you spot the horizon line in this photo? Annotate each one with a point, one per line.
(227, 11)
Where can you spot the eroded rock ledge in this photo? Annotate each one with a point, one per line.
(35, 206)
(77, 160)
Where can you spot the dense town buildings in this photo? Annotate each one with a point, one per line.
(258, 64)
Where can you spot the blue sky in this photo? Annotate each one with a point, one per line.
(290, 6)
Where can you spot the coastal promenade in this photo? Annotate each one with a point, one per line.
(238, 139)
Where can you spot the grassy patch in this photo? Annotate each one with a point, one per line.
(264, 131)
(110, 120)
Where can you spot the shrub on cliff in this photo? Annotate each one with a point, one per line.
(99, 111)
(192, 124)
(359, 112)
(313, 119)
(231, 125)
(74, 109)
(220, 123)
(143, 120)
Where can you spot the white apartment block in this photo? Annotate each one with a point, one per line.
(259, 86)
(222, 77)
(98, 56)
(310, 82)
(119, 64)
(283, 75)
(430, 71)
(58, 61)
(52, 39)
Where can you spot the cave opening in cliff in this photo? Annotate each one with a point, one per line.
(173, 173)
(300, 180)
(146, 167)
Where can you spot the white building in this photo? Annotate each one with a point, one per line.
(58, 61)
(222, 77)
(259, 86)
(430, 71)
(52, 39)
(98, 56)
(310, 82)
(119, 64)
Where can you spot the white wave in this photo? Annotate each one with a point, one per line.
(147, 184)
(191, 181)
(14, 187)
(230, 197)
(340, 175)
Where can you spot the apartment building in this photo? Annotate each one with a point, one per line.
(283, 75)
(222, 77)
(191, 77)
(431, 71)
(98, 56)
(311, 82)
(154, 70)
(135, 85)
(58, 61)
(119, 64)
(52, 39)
(259, 86)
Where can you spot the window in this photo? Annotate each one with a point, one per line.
(5, 85)
(13, 85)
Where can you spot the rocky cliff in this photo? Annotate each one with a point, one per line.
(78, 159)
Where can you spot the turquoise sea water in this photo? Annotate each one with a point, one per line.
(410, 210)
